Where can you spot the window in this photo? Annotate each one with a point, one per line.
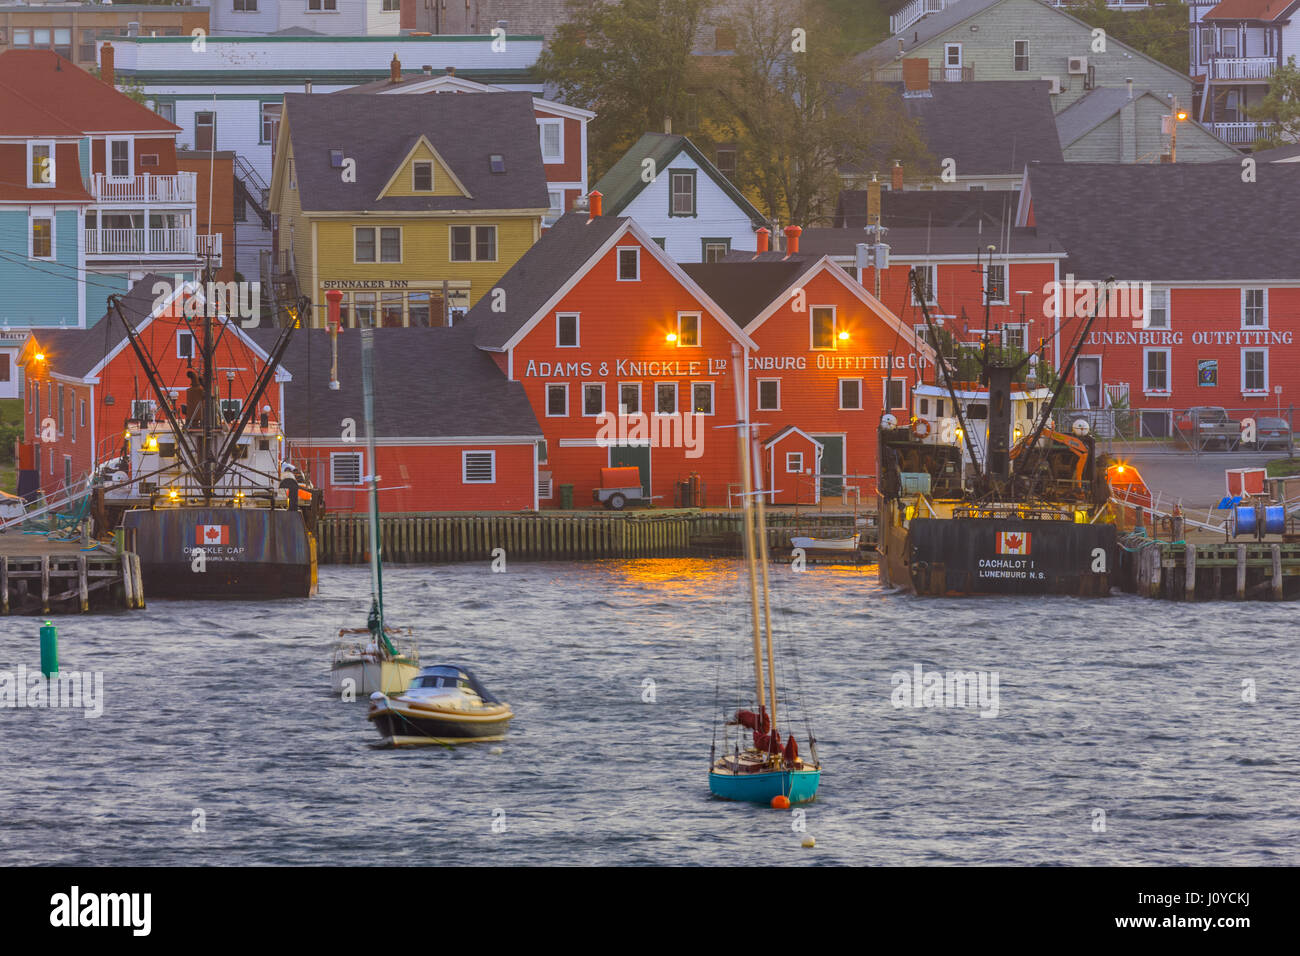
(417, 306)
(230, 408)
(365, 245)
(952, 54)
(895, 393)
(392, 6)
(322, 6)
(245, 6)
(769, 394)
(557, 401)
(67, 471)
(556, 207)
(271, 121)
(794, 462)
(62, 419)
(629, 398)
(42, 238)
(725, 160)
(390, 310)
(345, 468)
(1254, 308)
(1207, 44)
(1156, 362)
(40, 165)
(1013, 336)
(497, 163)
(22, 38)
(148, 159)
(478, 467)
(205, 131)
(566, 330)
(702, 398)
(851, 394)
(1157, 314)
(1020, 56)
(473, 243)
(5, 370)
(927, 283)
(336, 159)
(551, 134)
(681, 198)
(665, 398)
(390, 244)
(82, 416)
(1228, 42)
(1254, 371)
(119, 158)
(593, 399)
(629, 265)
(365, 305)
(995, 282)
(714, 250)
(822, 318)
(422, 176)
(688, 329)
(184, 344)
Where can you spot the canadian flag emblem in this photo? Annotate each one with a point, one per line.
(1013, 542)
(212, 534)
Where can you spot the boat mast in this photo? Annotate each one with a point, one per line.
(760, 520)
(376, 622)
(747, 511)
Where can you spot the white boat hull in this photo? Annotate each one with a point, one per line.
(359, 678)
(849, 543)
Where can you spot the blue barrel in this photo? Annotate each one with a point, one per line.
(1244, 519)
(49, 649)
(1275, 519)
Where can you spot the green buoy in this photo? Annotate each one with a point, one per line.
(49, 649)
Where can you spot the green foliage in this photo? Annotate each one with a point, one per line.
(1280, 107)
(1160, 31)
(11, 427)
(127, 86)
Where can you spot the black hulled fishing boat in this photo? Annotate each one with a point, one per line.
(981, 494)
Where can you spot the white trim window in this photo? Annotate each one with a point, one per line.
(629, 398)
(1156, 371)
(894, 393)
(1157, 311)
(388, 249)
(1254, 371)
(42, 237)
(850, 391)
(566, 330)
(478, 467)
(118, 159)
(929, 282)
(702, 398)
(557, 399)
(347, 468)
(821, 327)
(40, 164)
(688, 329)
(769, 394)
(665, 398)
(1020, 56)
(550, 134)
(794, 463)
(593, 399)
(472, 244)
(184, 344)
(422, 176)
(555, 210)
(629, 263)
(995, 282)
(1254, 308)
(1015, 335)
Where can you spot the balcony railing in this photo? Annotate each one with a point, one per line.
(914, 11)
(1241, 67)
(938, 74)
(141, 242)
(211, 246)
(1240, 134)
(146, 188)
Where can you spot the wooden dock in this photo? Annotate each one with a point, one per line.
(1191, 571)
(39, 576)
(566, 535)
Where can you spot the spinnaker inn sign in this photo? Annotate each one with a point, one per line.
(718, 366)
(1205, 337)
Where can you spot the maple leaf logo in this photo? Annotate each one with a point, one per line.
(1012, 541)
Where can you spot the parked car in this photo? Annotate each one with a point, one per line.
(1274, 432)
(1209, 425)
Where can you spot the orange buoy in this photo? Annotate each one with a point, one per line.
(780, 802)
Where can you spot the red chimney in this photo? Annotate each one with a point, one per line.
(596, 202)
(106, 64)
(334, 297)
(406, 19)
(896, 178)
(763, 236)
(792, 234)
(395, 69)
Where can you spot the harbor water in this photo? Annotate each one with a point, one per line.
(1126, 731)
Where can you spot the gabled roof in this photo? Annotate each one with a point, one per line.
(1278, 154)
(1134, 221)
(546, 272)
(1263, 11)
(465, 130)
(1096, 107)
(433, 384)
(450, 83)
(623, 181)
(788, 430)
(45, 94)
(928, 207)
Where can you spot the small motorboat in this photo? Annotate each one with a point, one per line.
(847, 543)
(445, 705)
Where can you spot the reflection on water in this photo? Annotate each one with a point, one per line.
(1129, 707)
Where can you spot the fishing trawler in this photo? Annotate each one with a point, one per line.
(980, 493)
(202, 490)
(756, 765)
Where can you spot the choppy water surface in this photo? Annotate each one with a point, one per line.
(1130, 707)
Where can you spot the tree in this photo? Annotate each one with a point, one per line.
(129, 87)
(630, 62)
(1280, 107)
(1160, 31)
(802, 109)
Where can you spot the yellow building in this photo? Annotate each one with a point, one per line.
(411, 206)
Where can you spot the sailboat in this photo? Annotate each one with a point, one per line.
(366, 660)
(759, 768)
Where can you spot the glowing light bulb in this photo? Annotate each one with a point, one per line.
(844, 336)
(40, 356)
(672, 336)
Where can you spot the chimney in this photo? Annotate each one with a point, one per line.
(763, 236)
(916, 75)
(450, 70)
(896, 179)
(395, 70)
(668, 124)
(873, 200)
(106, 63)
(1128, 81)
(427, 69)
(595, 203)
(792, 234)
(406, 16)
(306, 86)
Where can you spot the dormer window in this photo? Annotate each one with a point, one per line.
(119, 159)
(422, 176)
(40, 165)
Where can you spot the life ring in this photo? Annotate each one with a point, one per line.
(921, 427)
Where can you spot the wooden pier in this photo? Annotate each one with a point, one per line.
(566, 535)
(1190, 571)
(38, 576)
